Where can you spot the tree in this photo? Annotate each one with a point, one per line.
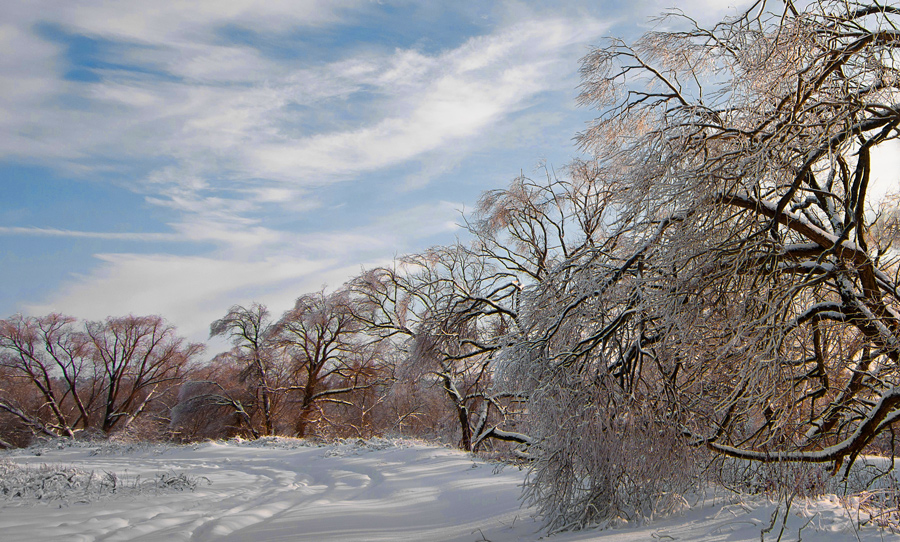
(50, 355)
(137, 358)
(526, 230)
(328, 357)
(744, 299)
(364, 410)
(214, 406)
(102, 375)
(16, 431)
(251, 332)
(447, 310)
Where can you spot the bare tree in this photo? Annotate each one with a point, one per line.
(51, 355)
(329, 359)
(447, 309)
(745, 298)
(251, 332)
(528, 229)
(100, 376)
(138, 358)
(208, 409)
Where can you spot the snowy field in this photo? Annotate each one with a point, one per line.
(284, 489)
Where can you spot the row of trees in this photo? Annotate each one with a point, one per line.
(390, 352)
(714, 281)
(403, 347)
(316, 353)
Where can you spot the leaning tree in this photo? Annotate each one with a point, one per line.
(744, 300)
(446, 311)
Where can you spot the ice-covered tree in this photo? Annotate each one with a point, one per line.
(328, 358)
(744, 298)
(251, 332)
(447, 310)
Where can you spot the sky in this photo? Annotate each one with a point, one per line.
(179, 157)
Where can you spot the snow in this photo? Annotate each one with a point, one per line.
(286, 489)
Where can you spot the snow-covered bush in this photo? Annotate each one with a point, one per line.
(599, 460)
(26, 485)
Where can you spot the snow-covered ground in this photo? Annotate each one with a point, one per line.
(284, 489)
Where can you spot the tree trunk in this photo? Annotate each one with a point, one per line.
(306, 410)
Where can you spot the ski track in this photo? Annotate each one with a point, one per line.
(346, 492)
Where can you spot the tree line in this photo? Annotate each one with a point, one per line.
(714, 281)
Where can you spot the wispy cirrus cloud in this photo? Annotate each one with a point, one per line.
(192, 291)
(435, 101)
(110, 236)
(241, 123)
(216, 116)
(251, 264)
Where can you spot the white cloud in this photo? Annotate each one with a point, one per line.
(466, 91)
(28, 74)
(423, 221)
(228, 116)
(55, 232)
(245, 240)
(253, 264)
(189, 291)
(176, 19)
(234, 138)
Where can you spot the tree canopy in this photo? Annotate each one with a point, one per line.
(744, 295)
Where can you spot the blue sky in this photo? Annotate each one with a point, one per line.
(177, 158)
